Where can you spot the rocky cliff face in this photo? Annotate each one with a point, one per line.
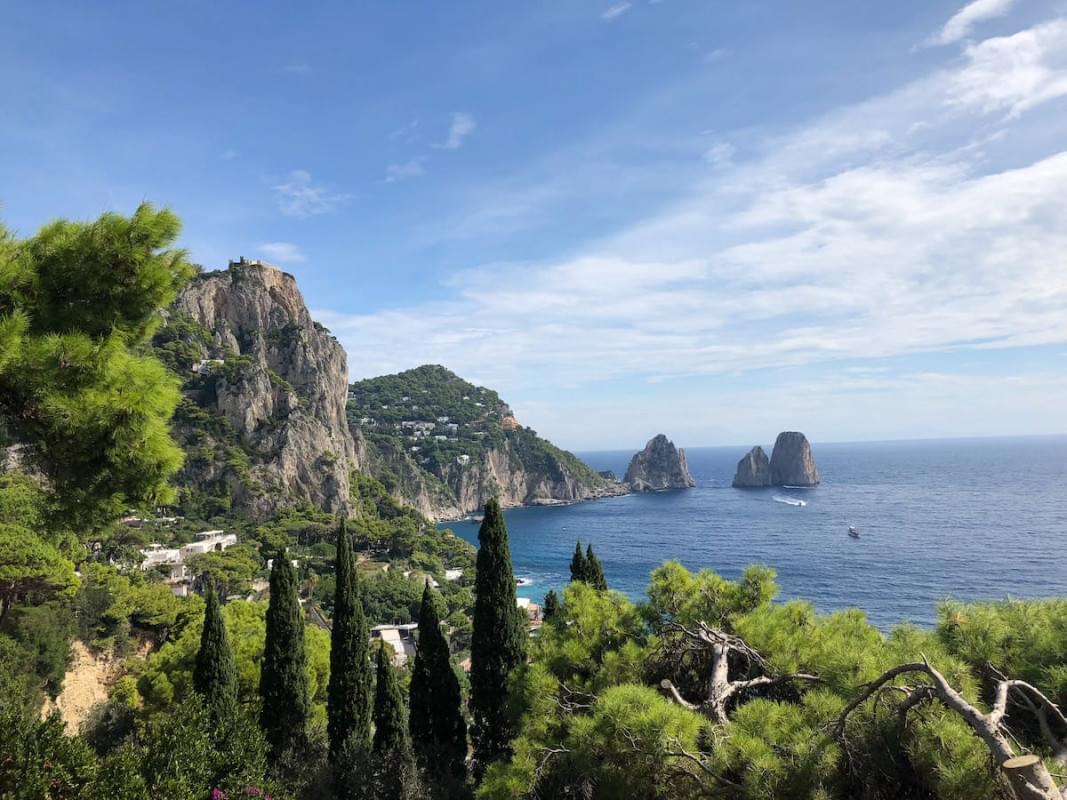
(264, 418)
(753, 470)
(659, 466)
(791, 464)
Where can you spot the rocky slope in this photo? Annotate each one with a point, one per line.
(445, 446)
(754, 470)
(791, 464)
(263, 421)
(659, 466)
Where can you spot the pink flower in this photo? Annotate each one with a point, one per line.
(218, 794)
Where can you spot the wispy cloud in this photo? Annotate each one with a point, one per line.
(405, 171)
(408, 132)
(963, 21)
(718, 54)
(282, 252)
(297, 69)
(616, 10)
(876, 231)
(462, 126)
(299, 196)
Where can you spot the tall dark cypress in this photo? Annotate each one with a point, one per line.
(551, 609)
(348, 696)
(215, 671)
(498, 642)
(435, 713)
(594, 570)
(390, 727)
(283, 676)
(578, 563)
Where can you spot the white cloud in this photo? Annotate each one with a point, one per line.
(298, 196)
(877, 231)
(404, 171)
(462, 126)
(963, 21)
(298, 69)
(282, 252)
(718, 54)
(408, 132)
(616, 10)
(720, 154)
(1014, 73)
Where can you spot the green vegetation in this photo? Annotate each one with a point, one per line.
(215, 671)
(78, 301)
(393, 773)
(428, 425)
(498, 646)
(349, 692)
(283, 684)
(438, 730)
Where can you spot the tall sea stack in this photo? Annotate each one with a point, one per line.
(659, 466)
(791, 464)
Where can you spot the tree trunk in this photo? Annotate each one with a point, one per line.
(1030, 779)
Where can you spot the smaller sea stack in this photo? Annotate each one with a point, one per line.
(660, 466)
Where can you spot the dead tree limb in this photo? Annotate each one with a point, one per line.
(719, 689)
(1027, 774)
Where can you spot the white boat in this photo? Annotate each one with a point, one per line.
(853, 531)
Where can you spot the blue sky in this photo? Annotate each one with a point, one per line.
(714, 219)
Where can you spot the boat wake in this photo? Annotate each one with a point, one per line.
(790, 501)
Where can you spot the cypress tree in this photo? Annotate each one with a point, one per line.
(348, 700)
(594, 571)
(498, 642)
(578, 563)
(438, 730)
(283, 676)
(551, 609)
(215, 671)
(390, 729)
(393, 774)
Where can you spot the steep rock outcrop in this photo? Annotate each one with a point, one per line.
(754, 470)
(264, 419)
(792, 463)
(659, 466)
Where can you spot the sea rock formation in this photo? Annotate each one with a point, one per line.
(659, 466)
(791, 464)
(264, 420)
(754, 470)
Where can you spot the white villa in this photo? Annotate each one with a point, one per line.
(179, 580)
(400, 637)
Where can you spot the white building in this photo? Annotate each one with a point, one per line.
(400, 637)
(179, 579)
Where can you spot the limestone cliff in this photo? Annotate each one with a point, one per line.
(791, 464)
(263, 421)
(659, 466)
(754, 470)
(445, 446)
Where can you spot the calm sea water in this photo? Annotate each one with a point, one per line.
(973, 519)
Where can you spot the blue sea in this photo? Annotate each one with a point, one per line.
(969, 518)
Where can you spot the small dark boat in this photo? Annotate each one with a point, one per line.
(853, 531)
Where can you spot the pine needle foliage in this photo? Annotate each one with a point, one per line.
(594, 571)
(349, 694)
(78, 302)
(578, 563)
(498, 643)
(283, 678)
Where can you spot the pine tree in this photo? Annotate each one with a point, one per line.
(438, 730)
(349, 693)
(215, 671)
(498, 642)
(578, 563)
(552, 608)
(594, 571)
(283, 676)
